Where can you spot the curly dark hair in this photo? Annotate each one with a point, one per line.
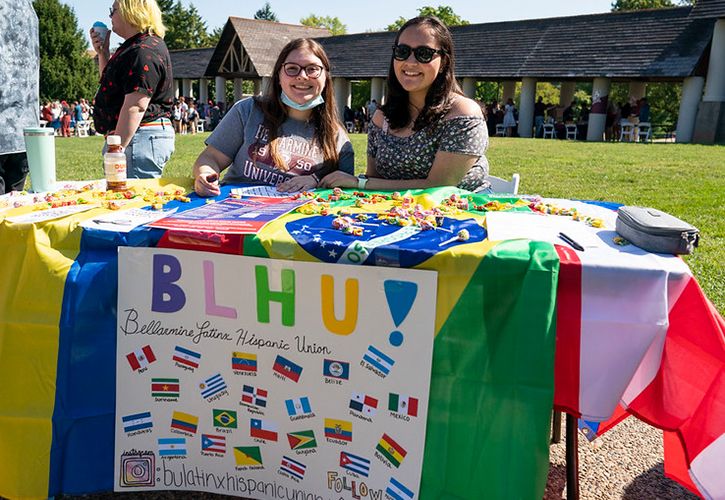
(325, 117)
(438, 100)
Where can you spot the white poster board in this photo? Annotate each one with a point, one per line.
(271, 379)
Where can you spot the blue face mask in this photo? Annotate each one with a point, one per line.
(312, 103)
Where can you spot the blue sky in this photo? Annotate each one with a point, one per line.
(358, 15)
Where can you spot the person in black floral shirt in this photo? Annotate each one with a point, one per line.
(135, 94)
(427, 133)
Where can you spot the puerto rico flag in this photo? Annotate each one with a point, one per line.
(263, 429)
(140, 358)
(213, 444)
(186, 357)
(287, 368)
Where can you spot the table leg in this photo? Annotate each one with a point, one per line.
(572, 458)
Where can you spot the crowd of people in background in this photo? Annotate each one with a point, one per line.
(64, 117)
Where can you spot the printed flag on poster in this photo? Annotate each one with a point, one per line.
(287, 368)
(403, 404)
(141, 357)
(247, 455)
(137, 421)
(298, 406)
(184, 422)
(212, 385)
(336, 369)
(254, 396)
(399, 492)
(294, 467)
(302, 440)
(165, 387)
(378, 359)
(225, 418)
(172, 446)
(244, 361)
(213, 444)
(263, 429)
(354, 463)
(186, 357)
(391, 450)
(338, 429)
(363, 403)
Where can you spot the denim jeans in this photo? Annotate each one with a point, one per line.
(149, 150)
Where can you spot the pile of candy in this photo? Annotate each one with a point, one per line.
(108, 199)
(551, 209)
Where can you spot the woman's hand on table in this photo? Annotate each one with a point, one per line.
(206, 184)
(339, 179)
(297, 183)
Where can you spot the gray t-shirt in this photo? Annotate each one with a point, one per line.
(241, 131)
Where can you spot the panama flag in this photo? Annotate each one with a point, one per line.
(391, 450)
(184, 422)
(186, 357)
(244, 361)
(294, 467)
(298, 406)
(399, 492)
(141, 357)
(354, 463)
(212, 385)
(403, 404)
(254, 396)
(263, 429)
(172, 446)
(364, 404)
(137, 421)
(378, 359)
(287, 368)
(213, 444)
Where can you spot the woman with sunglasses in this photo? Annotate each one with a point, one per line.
(136, 93)
(291, 137)
(427, 133)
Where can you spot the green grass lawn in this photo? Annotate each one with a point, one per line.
(686, 180)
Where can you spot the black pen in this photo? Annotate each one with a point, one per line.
(571, 241)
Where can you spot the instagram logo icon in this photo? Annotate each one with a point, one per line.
(137, 469)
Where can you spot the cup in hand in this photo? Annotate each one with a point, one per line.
(100, 28)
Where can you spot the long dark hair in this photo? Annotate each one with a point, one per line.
(324, 117)
(438, 100)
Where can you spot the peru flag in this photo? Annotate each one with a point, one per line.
(141, 357)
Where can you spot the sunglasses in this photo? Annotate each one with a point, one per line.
(293, 69)
(422, 54)
(111, 11)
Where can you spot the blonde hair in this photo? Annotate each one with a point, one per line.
(144, 15)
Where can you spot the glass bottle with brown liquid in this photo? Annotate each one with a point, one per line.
(114, 164)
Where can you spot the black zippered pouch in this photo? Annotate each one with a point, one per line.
(656, 231)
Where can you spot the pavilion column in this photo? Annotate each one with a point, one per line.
(186, 88)
(238, 89)
(637, 89)
(204, 90)
(376, 90)
(509, 91)
(265, 83)
(343, 94)
(526, 107)
(469, 87)
(566, 93)
(598, 113)
(691, 94)
(715, 86)
(176, 89)
(258, 84)
(220, 85)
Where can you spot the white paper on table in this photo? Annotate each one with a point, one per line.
(265, 191)
(123, 221)
(50, 214)
(539, 227)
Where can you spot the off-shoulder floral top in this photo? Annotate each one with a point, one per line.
(411, 157)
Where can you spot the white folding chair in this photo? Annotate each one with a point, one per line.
(549, 131)
(499, 185)
(500, 129)
(200, 125)
(82, 128)
(571, 131)
(645, 132)
(627, 131)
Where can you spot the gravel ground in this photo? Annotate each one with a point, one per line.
(626, 463)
